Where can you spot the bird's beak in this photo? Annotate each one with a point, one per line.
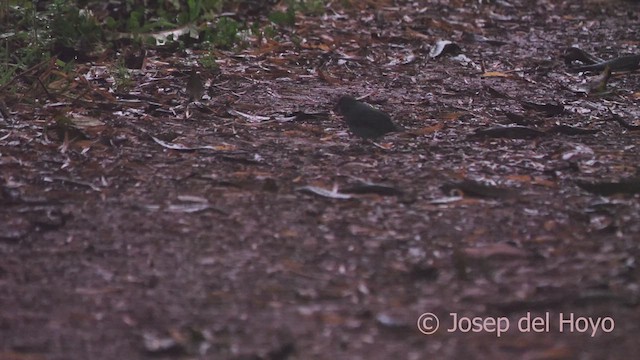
(336, 109)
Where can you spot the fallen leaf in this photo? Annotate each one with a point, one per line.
(496, 74)
(426, 130)
(333, 194)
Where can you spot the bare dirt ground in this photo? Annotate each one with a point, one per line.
(148, 233)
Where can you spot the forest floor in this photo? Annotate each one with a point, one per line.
(253, 225)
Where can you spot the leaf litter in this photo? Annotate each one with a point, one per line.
(544, 217)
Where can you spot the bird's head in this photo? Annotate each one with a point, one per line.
(344, 104)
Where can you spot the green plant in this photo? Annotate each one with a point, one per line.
(122, 77)
(73, 28)
(7, 70)
(269, 32)
(214, 6)
(209, 63)
(308, 7)
(286, 18)
(225, 33)
(65, 66)
(194, 9)
(135, 21)
(20, 45)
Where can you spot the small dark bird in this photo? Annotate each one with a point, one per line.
(363, 120)
(195, 86)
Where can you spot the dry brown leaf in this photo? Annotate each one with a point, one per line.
(550, 225)
(496, 74)
(427, 130)
(271, 46)
(224, 147)
(333, 319)
(544, 182)
(319, 46)
(520, 178)
(417, 35)
(328, 78)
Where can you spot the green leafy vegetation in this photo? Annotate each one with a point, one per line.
(307, 7)
(31, 32)
(72, 28)
(121, 77)
(208, 62)
(225, 33)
